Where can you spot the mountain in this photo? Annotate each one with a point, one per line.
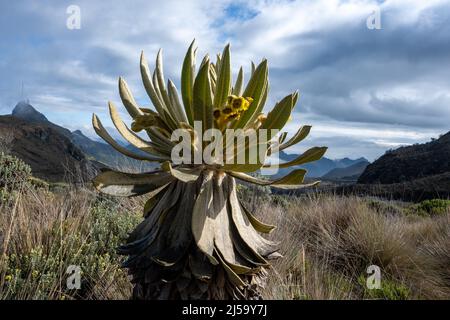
(412, 173)
(320, 167)
(50, 154)
(410, 163)
(350, 173)
(93, 150)
(25, 111)
(99, 151)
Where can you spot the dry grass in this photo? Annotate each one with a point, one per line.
(42, 233)
(327, 243)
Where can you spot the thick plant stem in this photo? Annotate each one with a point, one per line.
(197, 242)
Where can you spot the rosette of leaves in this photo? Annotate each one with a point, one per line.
(198, 241)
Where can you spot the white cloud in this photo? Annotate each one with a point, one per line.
(362, 89)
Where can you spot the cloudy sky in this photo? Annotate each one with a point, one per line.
(363, 90)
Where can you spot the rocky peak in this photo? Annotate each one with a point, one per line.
(24, 110)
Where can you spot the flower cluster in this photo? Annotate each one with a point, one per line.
(233, 109)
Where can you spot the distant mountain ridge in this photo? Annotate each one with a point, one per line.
(93, 149)
(347, 174)
(409, 163)
(321, 167)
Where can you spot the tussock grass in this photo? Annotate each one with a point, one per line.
(42, 233)
(327, 242)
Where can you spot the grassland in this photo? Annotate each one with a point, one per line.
(327, 241)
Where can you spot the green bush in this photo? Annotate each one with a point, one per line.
(13, 171)
(390, 290)
(40, 273)
(429, 208)
(433, 207)
(14, 175)
(385, 207)
(38, 183)
(281, 200)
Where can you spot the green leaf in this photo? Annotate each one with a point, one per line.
(182, 174)
(239, 84)
(212, 78)
(218, 61)
(277, 118)
(187, 82)
(301, 134)
(203, 104)
(258, 225)
(167, 113)
(161, 82)
(245, 153)
(234, 278)
(161, 139)
(309, 155)
(223, 85)
(178, 110)
(101, 131)
(128, 184)
(151, 90)
(255, 89)
(128, 100)
(130, 136)
(282, 137)
(290, 181)
(294, 99)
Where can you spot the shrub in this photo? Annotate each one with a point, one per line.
(86, 239)
(281, 200)
(38, 183)
(389, 290)
(433, 207)
(13, 171)
(14, 175)
(386, 207)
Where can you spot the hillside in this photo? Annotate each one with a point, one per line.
(320, 167)
(350, 173)
(93, 150)
(51, 155)
(99, 151)
(409, 163)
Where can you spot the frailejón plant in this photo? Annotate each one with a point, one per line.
(197, 240)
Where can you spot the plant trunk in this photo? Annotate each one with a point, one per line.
(197, 241)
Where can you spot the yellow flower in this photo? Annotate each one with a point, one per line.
(232, 110)
(216, 114)
(8, 277)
